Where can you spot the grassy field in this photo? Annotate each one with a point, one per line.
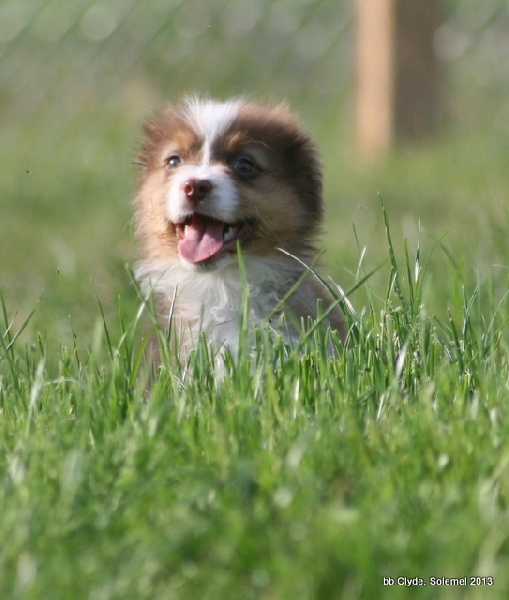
(298, 476)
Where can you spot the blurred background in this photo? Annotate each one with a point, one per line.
(78, 78)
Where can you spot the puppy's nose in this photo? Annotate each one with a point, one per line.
(197, 189)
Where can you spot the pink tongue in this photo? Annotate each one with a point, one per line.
(203, 238)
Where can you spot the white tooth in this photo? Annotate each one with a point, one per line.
(229, 233)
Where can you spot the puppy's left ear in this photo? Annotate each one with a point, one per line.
(306, 168)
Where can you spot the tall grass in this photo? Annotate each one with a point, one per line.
(295, 475)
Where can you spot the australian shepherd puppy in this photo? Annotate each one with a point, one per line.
(218, 178)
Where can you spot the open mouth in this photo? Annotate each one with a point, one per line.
(202, 238)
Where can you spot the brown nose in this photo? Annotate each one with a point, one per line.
(197, 189)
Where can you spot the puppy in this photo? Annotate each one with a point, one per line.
(219, 178)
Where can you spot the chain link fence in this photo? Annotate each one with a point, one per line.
(62, 60)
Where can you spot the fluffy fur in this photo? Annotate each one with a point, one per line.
(215, 176)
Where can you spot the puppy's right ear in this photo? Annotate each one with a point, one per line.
(151, 137)
(155, 131)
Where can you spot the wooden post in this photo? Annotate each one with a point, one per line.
(398, 79)
(417, 95)
(375, 73)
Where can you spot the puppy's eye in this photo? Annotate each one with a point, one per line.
(245, 166)
(173, 161)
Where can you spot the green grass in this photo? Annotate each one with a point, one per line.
(296, 476)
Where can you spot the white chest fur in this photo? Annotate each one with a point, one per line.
(219, 302)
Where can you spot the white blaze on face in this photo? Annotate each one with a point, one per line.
(209, 120)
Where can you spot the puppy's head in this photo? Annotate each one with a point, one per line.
(215, 175)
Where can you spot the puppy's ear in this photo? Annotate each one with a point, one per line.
(155, 130)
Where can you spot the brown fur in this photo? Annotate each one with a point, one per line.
(282, 204)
